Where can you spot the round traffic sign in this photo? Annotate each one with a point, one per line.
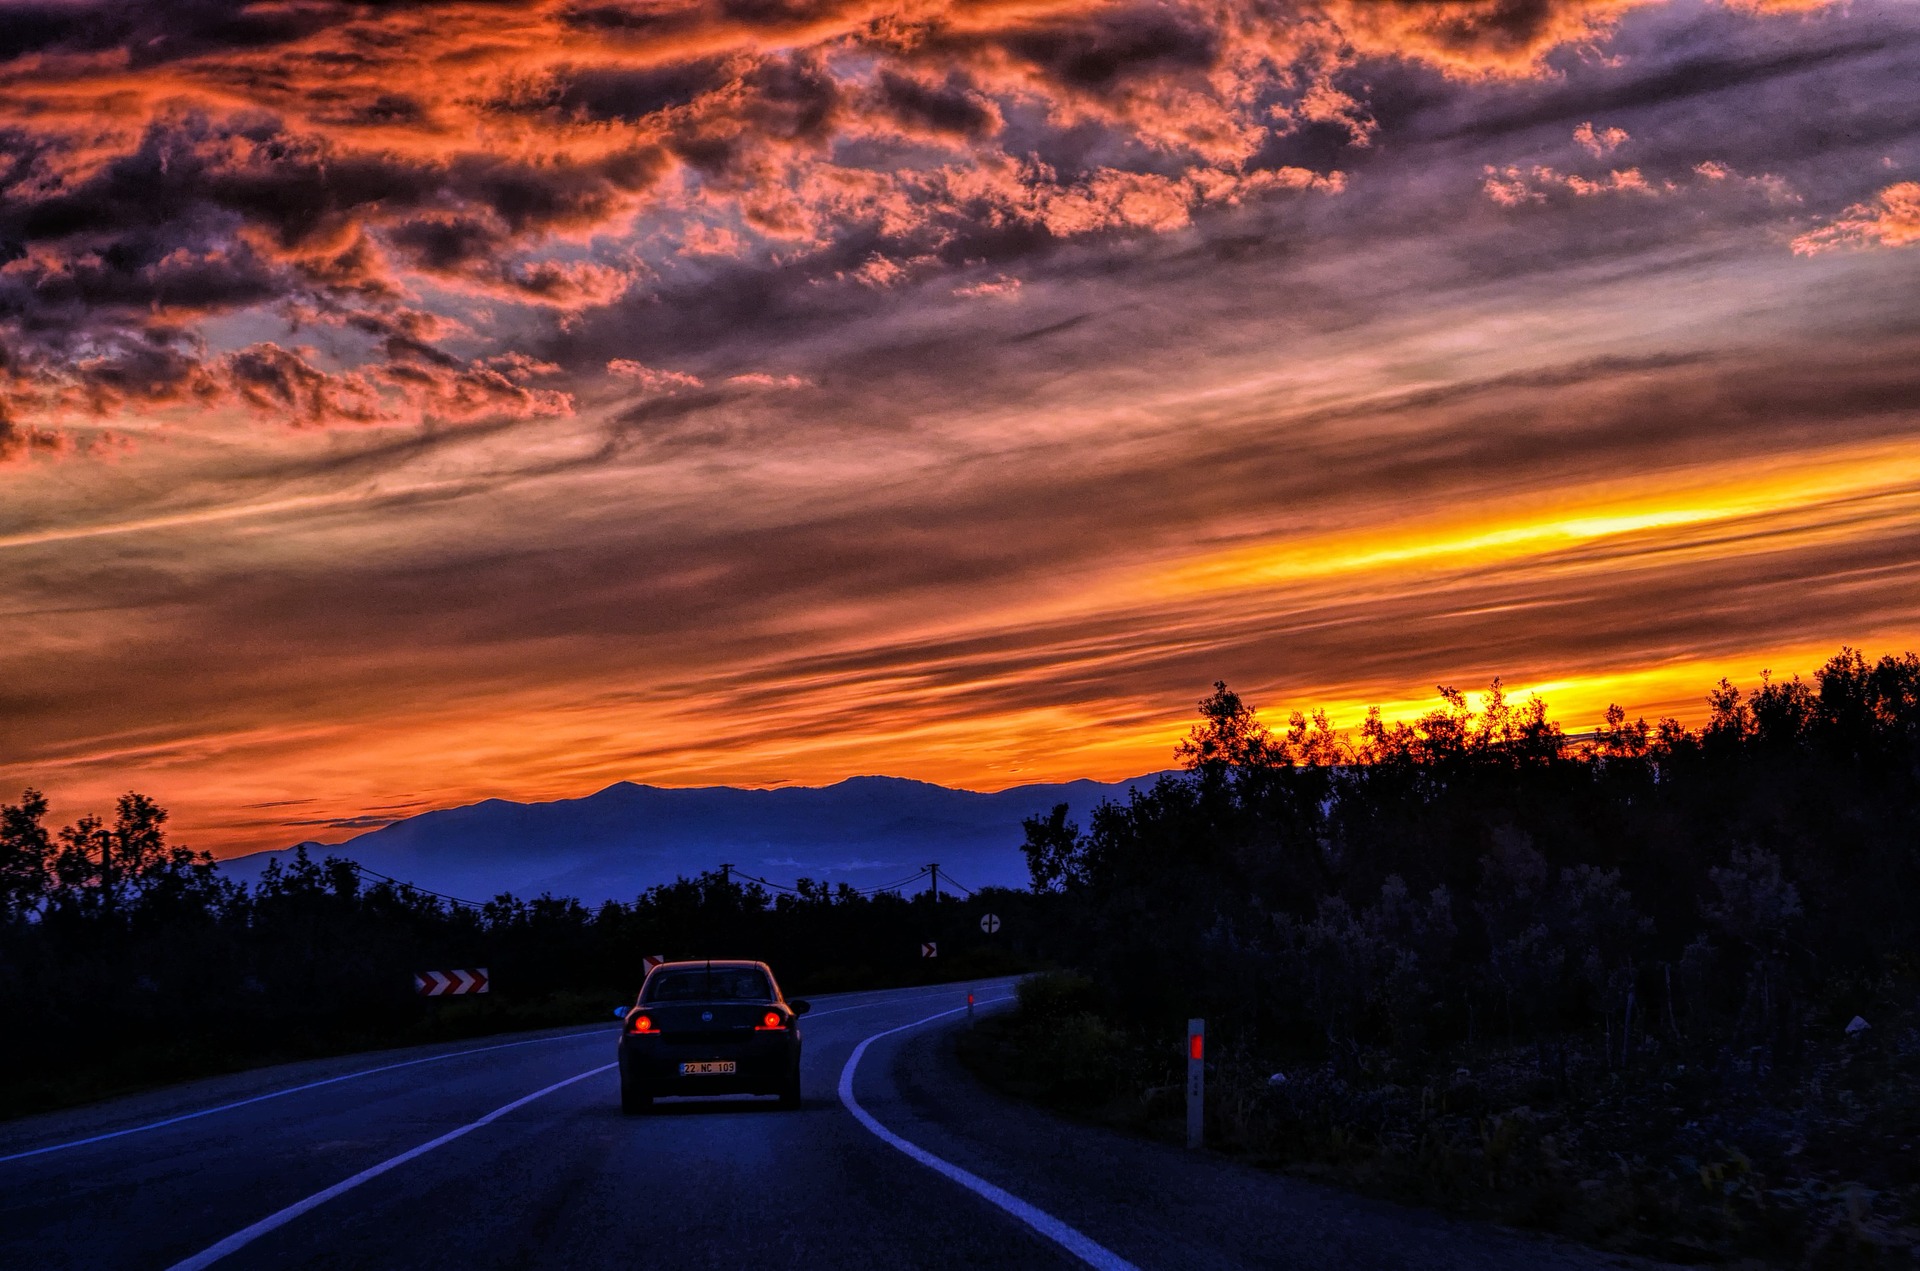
(990, 923)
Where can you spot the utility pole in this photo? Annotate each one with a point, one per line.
(936, 882)
(726, 915)
(106, 870)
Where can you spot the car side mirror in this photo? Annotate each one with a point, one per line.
(800, 1007)
(620, 1012)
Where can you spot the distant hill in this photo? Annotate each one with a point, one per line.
(865, 831)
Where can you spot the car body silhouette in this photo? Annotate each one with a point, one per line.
(710, 1028)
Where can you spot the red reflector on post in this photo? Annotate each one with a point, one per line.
(1196, 1083)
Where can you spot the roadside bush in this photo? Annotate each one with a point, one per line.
(1060, 1047)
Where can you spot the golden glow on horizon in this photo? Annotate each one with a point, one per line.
(940, 723)
(564, 755)
(1505, 536)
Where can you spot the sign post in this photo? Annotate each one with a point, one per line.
(1196, 1082)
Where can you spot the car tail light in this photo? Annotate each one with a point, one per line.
(640, 1024)
(771, 1020)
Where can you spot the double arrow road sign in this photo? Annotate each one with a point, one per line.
(450, 983)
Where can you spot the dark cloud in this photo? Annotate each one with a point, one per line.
(154, 33)
(630, 94)
(447, 243)
(1101, 50)
(279, 381)
(18, 441)
(950, 106)
(147, 375)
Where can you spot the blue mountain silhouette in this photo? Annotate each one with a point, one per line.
(614, 844)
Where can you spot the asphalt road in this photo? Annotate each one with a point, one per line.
(513, 1153)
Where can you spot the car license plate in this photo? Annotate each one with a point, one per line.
(707, 1068)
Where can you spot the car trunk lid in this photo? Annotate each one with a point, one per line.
(706, 1021)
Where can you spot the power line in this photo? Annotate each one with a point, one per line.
(858, 891)
(764, 883)
(437, 895)
(890, 886)
(960, 886)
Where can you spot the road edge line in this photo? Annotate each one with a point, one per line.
(1073, 1241)
(247, 1235)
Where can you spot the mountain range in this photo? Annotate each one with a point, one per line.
(614, 844)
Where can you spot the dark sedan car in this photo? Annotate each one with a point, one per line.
(710, 1028)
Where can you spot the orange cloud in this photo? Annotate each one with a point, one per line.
(1891, 220)
(1002, 286)
(650, 378)
(1512, 186)
(1599, 143)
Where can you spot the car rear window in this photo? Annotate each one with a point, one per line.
(719, 984)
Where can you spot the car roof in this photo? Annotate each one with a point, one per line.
(707, 962)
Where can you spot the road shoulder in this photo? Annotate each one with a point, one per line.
(1162, 1206)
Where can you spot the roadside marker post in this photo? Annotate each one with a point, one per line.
(969, 1003)
(1196, 1082)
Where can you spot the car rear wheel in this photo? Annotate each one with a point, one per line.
(635, 1099)
(790, 1092)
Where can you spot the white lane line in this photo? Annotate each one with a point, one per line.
(1094, 1255)
(864, 1006)
(932, 990)
(261, 1098)
(247, 1235)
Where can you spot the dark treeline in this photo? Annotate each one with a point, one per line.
(1475, 872)
(1603, 985)
(126, 960)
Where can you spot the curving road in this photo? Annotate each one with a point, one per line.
(514, 1154)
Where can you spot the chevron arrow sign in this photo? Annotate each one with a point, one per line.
(450, 983)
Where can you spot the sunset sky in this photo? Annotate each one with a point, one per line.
(403, 404)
